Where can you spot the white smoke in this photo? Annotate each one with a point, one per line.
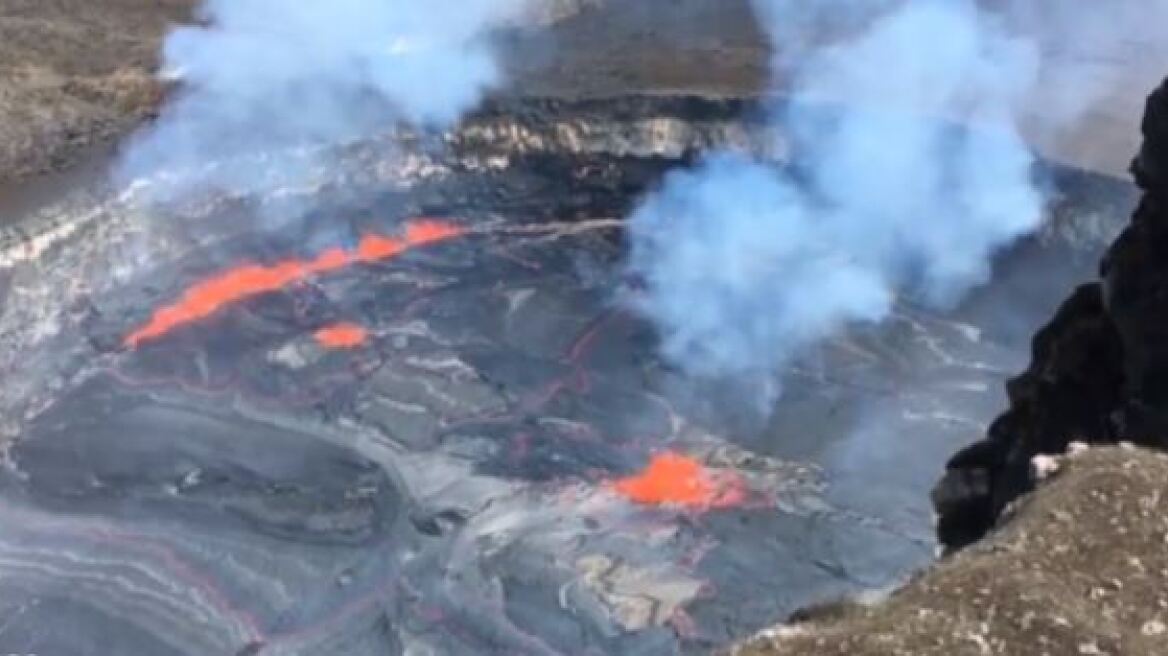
(271, 76)
(1089, 50)
(739, 271)
(746, 265)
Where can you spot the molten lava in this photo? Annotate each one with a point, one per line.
(341, 336)
(205, 298)
(676, 479)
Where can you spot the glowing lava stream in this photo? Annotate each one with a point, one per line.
(342, 335)
(679, 480)
(205, 298)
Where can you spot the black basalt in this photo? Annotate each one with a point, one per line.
(1099, 368)
(130, 457)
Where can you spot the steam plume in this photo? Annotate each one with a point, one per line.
(746, 264)
(269, 77)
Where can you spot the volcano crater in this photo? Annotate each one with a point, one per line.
(449, 482)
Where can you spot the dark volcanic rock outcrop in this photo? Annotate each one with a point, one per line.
(1099, 369)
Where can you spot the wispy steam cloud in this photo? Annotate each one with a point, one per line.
(1090, 50)
(746, 265)
(264, 76)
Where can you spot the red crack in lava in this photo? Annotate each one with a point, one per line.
(207, 297)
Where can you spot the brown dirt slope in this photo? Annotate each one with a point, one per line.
(74, 73)
(601, 48)
(1079, 567)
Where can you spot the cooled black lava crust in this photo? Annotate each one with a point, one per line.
(234, 488)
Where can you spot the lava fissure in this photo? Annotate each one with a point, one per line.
(205, 298)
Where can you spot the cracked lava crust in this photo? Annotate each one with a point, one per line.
(417, 418)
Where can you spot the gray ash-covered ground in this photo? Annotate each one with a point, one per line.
(234, 488)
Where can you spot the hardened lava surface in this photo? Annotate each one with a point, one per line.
(433, 452)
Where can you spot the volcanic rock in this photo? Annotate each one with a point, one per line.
(1078, 568)
(1099, 369)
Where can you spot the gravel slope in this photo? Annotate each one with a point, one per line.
(1080, 568)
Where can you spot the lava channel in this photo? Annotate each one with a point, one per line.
(207, 297)
(673, 479)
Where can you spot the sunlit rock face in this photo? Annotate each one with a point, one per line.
(502, 463)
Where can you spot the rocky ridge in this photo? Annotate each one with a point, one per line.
(1099, 369)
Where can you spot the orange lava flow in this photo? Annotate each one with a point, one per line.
(341, 336)
(676, 479)
(205, 298)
